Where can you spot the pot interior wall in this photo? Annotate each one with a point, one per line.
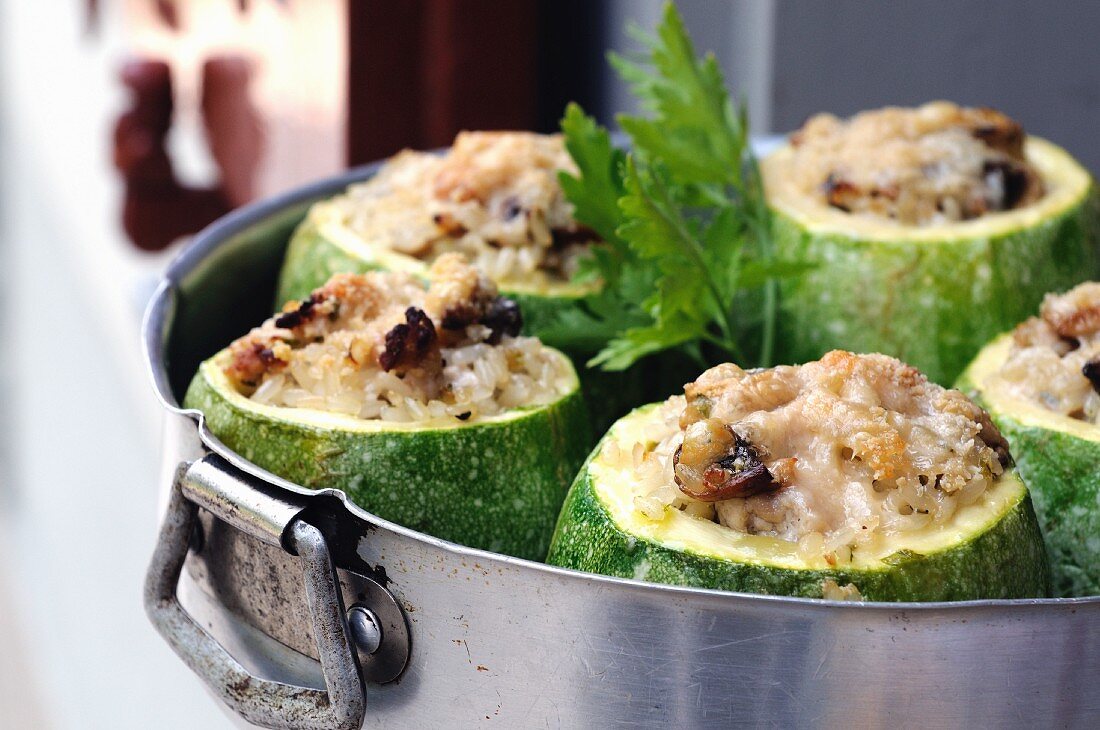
(231, 290)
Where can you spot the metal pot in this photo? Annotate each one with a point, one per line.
(300, 609)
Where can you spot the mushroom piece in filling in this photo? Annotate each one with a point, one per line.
(937, 163)
(383, 346)
(1055, 357)
(493, 197)
(832, 455)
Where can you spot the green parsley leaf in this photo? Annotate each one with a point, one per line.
(596, 191)
(689, 260)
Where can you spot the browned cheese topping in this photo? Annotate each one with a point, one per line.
(1055, 358)
(936, 163)
(381, 320)
(384, 346)
(826, 454)
(494, 197)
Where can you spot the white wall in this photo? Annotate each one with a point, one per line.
(79, 443)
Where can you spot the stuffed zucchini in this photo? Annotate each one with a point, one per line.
(422, 404)
(851, 477)
(1041, 385)
(932, 230)
(494, 198)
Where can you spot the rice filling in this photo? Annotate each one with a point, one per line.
(831, 455)
(493, 197)
(1055, 357)
(937, 163)
(384, 346)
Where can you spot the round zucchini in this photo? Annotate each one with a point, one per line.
(494, 483)
(990, 549)
(1059, 459)
(931, 296)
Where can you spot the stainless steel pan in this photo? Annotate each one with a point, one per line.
(301, 610)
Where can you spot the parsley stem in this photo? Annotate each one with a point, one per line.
(761, 223)
(767, 344)
(723, 345)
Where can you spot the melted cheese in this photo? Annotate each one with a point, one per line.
(862, 449)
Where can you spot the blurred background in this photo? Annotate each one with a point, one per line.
(128, 125)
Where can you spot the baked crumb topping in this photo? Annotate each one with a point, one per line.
(1055, 358)
(936, 163)
(836, 452)
(493, 197)
(382, 345)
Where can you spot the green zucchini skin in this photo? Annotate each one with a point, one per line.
(1007, 560)
(932, 304)
(312, 258)
(1062, 471)
(495, 485)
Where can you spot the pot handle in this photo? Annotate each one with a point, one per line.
(259, 701)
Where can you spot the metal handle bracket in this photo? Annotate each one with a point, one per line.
(259, 701)
(244, 501)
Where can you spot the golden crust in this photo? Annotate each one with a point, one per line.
(367, 320)
(842, 432)
(481, 162)
(1075, 313)
(1053, 352)
(494, 197)
(936, 163)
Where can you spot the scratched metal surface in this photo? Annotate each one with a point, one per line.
(496, 638)
(501, 639)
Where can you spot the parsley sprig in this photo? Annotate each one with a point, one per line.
(689, 261)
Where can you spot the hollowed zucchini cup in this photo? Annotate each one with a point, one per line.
(1059, 459)
(493, 482)
(989, 549)
(931, 296)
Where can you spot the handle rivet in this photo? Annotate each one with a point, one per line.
(365, 629)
